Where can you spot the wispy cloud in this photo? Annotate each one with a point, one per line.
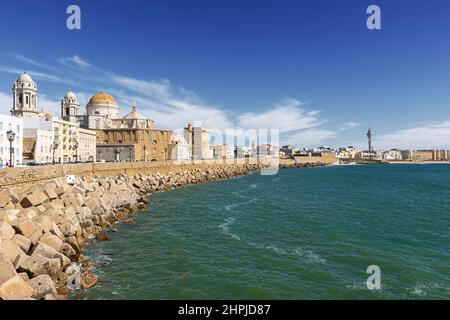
(38, 75)
(285, 115)
(426, 136)
(29, 61)
(349, 125)
(310, 138)
(74, 61)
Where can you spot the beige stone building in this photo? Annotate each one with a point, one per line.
(65, 141)
(198, 139)
(87, 142)
(134, 144)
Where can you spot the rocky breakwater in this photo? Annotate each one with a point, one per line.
(44, 228)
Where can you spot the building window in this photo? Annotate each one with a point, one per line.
(20, 98)
(26, 99)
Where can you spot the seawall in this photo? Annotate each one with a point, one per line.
(27, 175)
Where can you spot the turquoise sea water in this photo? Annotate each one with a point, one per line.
(301, 234)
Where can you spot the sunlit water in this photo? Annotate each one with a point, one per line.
(301, 234)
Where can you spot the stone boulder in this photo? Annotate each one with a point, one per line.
(51, 193)
(49, 252)
(8, 215)
(6, 231)
(52, 241)
(7, 270)
(11, 250)
(23, 226)
(16, 289)
(44, 222)
(33, 199)
(42, 285)
(23, 242)
(5, 198)
(37, 264)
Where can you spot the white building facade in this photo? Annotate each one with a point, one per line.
(38, 139)
(11, 150)
(180, 148)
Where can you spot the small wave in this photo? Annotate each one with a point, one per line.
(428, 289)
(103, 259)
(226, 228)
(230, 207)
(309, 255)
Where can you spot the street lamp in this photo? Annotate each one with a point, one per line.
(55, 146)
(75, 145)
(116, 154)
(11, 135)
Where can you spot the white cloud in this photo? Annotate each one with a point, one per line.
(47, 104)
(434, 135)
(37, 75)
(349, 125)
(309, 138)
(44, 104)
(285, 116)
(29, 61)
(74, 61)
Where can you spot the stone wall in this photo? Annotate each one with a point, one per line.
(26, 175)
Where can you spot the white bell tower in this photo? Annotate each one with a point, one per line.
(70, 107)
(24, 97)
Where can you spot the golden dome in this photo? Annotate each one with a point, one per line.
(102, 98)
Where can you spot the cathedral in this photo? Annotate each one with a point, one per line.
(129, 138)
(102, 112)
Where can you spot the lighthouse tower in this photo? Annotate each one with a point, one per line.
(369, 138)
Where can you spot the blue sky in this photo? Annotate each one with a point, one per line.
(309, 68)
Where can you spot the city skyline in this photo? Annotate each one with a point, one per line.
(314, 97)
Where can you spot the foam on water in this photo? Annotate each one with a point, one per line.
(225, 227)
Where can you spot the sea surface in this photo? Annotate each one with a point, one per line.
(300, 234)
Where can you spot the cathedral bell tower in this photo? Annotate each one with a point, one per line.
(24, 97)
(70, 107)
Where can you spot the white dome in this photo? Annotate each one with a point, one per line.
(70, 96)
(25, 77)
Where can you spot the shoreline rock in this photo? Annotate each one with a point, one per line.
(44, 228)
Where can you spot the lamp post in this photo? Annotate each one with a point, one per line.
(116, 154)
(11, 135)
(55, 146)
(75, 145)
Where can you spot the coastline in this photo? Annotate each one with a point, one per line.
(44, 229)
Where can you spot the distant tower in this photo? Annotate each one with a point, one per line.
(369, 137)
(70, 107)
(24, 97)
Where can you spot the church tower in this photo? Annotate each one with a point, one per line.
(70, 107)
(24, 97)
